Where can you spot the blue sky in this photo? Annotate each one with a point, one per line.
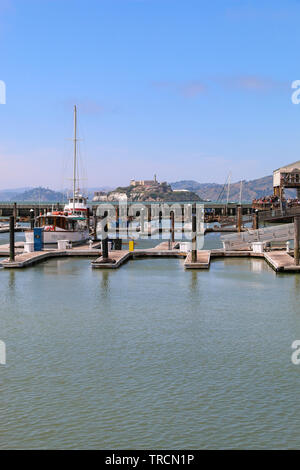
(186, 89)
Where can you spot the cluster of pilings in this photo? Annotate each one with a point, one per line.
(118, 241)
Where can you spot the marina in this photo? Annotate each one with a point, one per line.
(149, 228)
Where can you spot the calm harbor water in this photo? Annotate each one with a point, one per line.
(149, 356)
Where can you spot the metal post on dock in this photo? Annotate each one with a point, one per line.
(296, 239)
(239, 219)
(194, 235)
(12, 238)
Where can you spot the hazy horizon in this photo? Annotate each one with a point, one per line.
(108, 188)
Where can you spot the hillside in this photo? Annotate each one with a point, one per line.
(9, 194)
(153, 192)
(253, 189)
(38, 195)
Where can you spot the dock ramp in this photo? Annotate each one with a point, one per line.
(244, 240)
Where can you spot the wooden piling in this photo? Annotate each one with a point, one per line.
(194, 237)
(142, 216)
(117, 222)
(239, 219)
(296, 239)
(127, 222)
(172, 215)
(95, 223)
(15, 212)
(255, 224)
(105, 239)
(149, 220)
(118, 240)
(12, 238)
(160, 222)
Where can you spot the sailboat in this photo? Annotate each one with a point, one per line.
(71, 224)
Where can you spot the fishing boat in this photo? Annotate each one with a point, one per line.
(70, 224)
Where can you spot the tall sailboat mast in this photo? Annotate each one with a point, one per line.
(75, 156)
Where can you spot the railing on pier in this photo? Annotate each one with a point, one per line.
(278, 213)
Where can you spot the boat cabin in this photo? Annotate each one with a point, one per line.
(56, 222)
(77, 205)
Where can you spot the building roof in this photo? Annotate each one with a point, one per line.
(289, 166)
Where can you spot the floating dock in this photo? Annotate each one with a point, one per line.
(280, 261)
(23, 260)
(119, 257)
(203, 260)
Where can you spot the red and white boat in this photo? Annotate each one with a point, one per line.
(72, 223)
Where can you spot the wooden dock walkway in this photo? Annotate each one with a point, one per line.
(23, 260)
(281, 261)
(4, 249)
(116, 258)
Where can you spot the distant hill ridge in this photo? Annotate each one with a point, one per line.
(39, 194)
(253, 189)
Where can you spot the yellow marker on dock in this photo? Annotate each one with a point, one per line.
(131, 245)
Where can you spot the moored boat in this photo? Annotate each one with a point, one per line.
(72, 223)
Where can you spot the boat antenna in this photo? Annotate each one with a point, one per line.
(75, 156)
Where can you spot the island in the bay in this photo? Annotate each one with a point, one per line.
(147, 191)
